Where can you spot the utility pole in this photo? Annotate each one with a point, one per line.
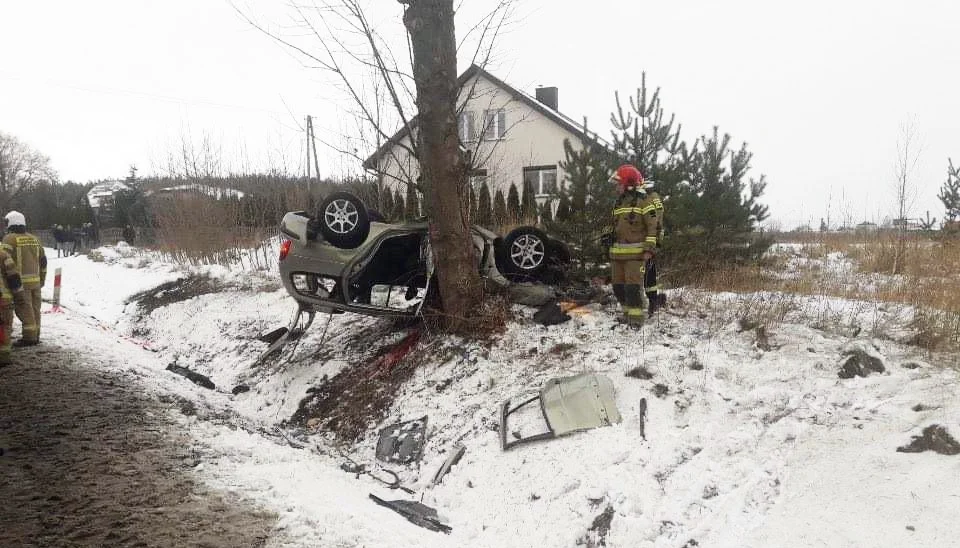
(309, 131)
(311, 145)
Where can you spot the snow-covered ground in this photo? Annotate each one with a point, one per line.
(751, 438)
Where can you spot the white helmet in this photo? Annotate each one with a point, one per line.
(15, 218)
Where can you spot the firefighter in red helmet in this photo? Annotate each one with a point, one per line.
(636, 221)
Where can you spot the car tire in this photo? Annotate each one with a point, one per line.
(344, 221)
(524, 254)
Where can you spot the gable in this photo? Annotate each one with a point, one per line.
(482, 91)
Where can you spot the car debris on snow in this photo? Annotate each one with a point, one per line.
(568, 404)
(402, 443)
(452, 459)
(415, 512)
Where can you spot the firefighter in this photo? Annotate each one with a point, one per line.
(655, 299)
(27, 252)
(635, 224)
(10, 286)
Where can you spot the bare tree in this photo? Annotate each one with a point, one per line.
(21, 167)
(908, 155)
(341, 42)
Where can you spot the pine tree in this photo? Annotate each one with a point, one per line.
(713, 219)
(499, 209)
(513, 205)
(586, 203)
(412, 209)
(646, 138)
(950, 193)
(528, 203)
(711, 205)
(484, 207)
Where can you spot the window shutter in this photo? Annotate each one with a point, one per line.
(501, 123)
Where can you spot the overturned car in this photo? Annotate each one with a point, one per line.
(347, 259)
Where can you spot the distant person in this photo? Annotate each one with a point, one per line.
(93, 236)
(129, 234)
(68, 242)
(77, 236)
(60, 240)
(27, 252)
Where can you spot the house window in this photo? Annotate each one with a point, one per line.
(494, 124)
(543, 179)
(467, 129)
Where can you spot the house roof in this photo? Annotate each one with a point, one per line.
(474, 70)
(104, 189)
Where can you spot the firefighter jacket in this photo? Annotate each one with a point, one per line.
(636, 225)
(9, 279)
(25, 249)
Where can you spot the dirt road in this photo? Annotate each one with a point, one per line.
(91, 459)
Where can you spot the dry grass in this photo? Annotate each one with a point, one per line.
(859, 268)
(196, 230)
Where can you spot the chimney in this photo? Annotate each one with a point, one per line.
(548, 96)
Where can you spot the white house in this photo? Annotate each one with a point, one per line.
(511, 136)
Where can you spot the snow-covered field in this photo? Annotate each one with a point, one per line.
(751, 438)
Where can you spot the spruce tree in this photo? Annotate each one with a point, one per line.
(950, 193)
(513, 205)
(499, 209)
(528, 203)
(484, 207)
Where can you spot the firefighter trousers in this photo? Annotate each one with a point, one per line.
(27, 307)
(628, 279)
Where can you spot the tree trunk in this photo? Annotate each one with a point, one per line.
(444, 174)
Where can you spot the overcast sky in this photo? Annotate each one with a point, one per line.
(819, 89)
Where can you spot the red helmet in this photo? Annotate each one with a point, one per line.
(627, 176)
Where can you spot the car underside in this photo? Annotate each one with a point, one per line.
(345, 260)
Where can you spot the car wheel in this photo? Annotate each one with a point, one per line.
(344, 221)
(525, 253)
